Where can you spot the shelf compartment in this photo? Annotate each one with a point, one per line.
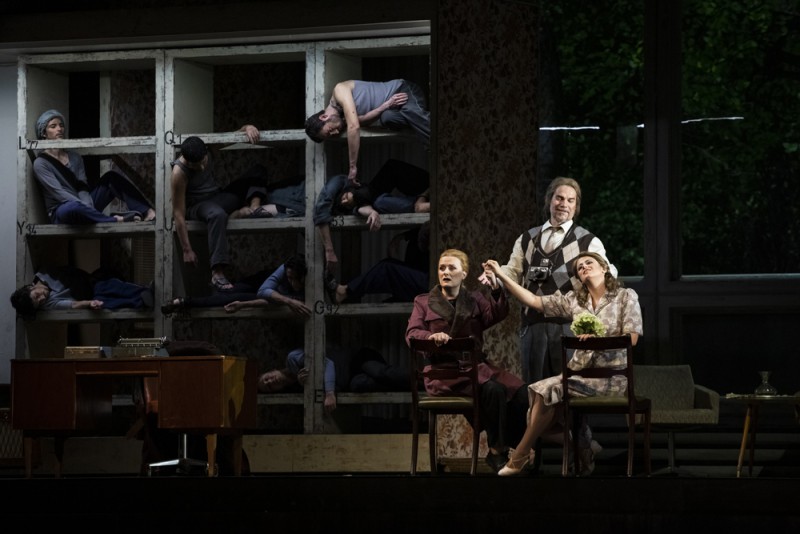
(93, 316)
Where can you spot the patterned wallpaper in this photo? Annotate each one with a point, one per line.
(486, 140)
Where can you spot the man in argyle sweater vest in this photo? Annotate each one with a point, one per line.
(558, 240)
(541, 336)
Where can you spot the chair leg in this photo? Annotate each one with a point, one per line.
(577, 418)
(565, 452)
(671, 451)
(414, 441)
(58, 452)
(476, 439)
(211, 454)
(647, 464)
(537, 456)
(631, 443)
(432, 442)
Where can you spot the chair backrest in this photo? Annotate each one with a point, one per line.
(670, 387)
(614, 343)
(677, 400)
(455, 361)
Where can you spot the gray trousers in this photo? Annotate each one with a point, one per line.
(413, 114)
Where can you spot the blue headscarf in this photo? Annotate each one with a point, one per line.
(44, 118)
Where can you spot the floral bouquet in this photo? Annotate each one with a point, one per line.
(586, 323)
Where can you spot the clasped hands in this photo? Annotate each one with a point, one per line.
(489, 276)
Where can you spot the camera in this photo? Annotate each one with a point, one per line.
(541, 272)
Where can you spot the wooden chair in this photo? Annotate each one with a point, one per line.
(630, 404)
(458, 359)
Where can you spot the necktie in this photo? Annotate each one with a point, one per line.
(551, 239)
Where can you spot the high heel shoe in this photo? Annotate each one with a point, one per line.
(516, 467)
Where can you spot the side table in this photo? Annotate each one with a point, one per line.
(754, 402)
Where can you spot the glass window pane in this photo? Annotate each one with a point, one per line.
(741, 129)
(744, 353)
(591, 94)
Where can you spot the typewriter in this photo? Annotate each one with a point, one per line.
(125, 348)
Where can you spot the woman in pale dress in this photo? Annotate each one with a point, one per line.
(616, 307)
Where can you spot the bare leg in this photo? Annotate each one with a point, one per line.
(541, 419)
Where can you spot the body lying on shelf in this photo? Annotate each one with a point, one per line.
(344, 397)
(90, 316)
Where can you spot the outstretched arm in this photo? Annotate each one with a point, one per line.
(87, 305)
(297, 306)
(343, 95)
(373, 217)
(236, 305)
(327, 242)
(520, 293)
(514, 266)
(178, 186)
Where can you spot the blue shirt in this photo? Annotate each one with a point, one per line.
(278, 281)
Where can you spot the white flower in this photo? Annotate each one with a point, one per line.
(587, 323)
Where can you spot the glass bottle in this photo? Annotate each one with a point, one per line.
(765, 388)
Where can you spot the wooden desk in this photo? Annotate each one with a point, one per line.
(203, 394)
(754, 402)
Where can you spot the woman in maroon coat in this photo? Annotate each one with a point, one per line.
(450, 311)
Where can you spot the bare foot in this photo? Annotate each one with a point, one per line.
(120, 218)
(241, 213)
(150, 215)
(220, 282)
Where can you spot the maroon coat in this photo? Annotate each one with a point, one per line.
(473, 313)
